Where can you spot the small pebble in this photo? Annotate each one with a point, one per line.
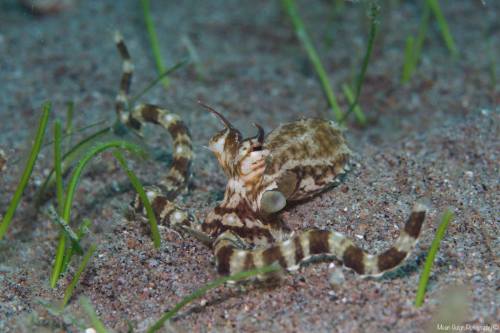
(336, 277)
(152, 263)
(485, 112)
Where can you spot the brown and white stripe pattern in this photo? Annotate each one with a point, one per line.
(307, 156)
(297, 161)
(296, 250)
(171, 215)
(126, 79)
(178, 174)
(3, 160)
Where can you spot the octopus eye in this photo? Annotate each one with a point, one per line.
(272, 201)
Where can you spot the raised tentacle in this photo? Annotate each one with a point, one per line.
(178, 174)
(260, 134)
(3, 161)
(218, 115)
(126, 79)
(291, 253)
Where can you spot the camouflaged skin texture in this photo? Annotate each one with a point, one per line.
(295, 161)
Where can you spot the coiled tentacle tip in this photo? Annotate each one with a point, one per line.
(217, 114)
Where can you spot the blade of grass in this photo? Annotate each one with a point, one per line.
(97, 324)
(419, 41)
(408, 59)
(153, 39)
(133, 148)
(374, 11)
(493, 65)
(337, 7)
(71, 287)
(70, 250)
(35, 149)
(67, 160)
(68, 128)
(194, 56)
(158, 79)
(304, 38)
(203, 290)
(144, 198)
(58, 166)
(81, 129)
(443, 27)
(83, 229)
(70, 192)
(66, 229)
(429, 261)
(58, 262)
(358, 113)
(414, 46)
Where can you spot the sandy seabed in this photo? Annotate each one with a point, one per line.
(434, 138)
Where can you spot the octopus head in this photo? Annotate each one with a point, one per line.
(238, 157)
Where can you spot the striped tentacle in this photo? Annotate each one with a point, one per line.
(178, 174)
(171, 215)
(291, 253)
(3, 161)
(126, 79)
(183, 152)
